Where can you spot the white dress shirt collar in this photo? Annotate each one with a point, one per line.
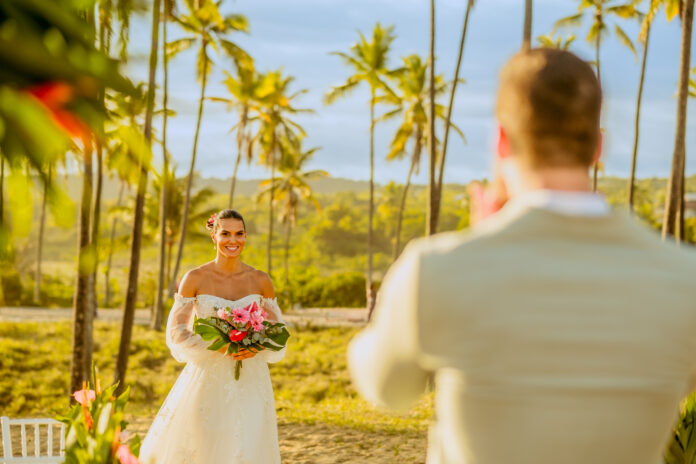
(564, 202)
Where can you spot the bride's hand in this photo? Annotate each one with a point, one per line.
(243, 354)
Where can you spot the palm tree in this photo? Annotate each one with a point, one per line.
(552, 41)
(432, 208)
(600, 11)
(134, 267)
(156, 320)
(644, 37)
(81, 312)
(527, 32)
(243, 88)
(673, 223)
(209, 28)
(413, 100)
(112, 239)
(450, 106)
(275, 128)
(291, 188)
(369, 60)
(42, 227)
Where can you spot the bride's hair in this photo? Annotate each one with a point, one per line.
(214, 221)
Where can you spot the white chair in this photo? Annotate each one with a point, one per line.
(38, 424)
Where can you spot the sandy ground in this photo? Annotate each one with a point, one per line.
(308, 444)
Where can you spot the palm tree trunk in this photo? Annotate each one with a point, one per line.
(39, 247)
(156, 320)
(634, 158)
(269, 248)
(431, 220)
(2, 190)
(107, 271)
(288, 231)
(448, 121)
(96, 220)
(81, 312)
(414, 160)
(189, 180)
(240, 138)
(673, 223)
(595, 168)
(132, 291)
(527, 33)
(370, 293)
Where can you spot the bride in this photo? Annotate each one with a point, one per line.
(208, 416)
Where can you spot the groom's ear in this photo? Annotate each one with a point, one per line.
(598, 149)
(503, 144)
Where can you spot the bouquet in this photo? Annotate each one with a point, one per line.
(242, 328)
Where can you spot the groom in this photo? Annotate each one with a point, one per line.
(557, 330)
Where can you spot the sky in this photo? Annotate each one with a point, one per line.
(298, 36)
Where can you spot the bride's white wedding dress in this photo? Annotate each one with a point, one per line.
(208, 416)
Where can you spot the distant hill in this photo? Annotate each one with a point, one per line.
(244, 186)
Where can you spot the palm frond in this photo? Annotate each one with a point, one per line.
(569, 21)
(175, 47)
(624, 39)
(342, 90)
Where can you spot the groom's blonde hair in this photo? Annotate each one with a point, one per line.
(549, 105)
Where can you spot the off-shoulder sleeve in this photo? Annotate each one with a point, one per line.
(182, 342)
(271, 305)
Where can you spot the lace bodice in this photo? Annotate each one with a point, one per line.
(189, 347)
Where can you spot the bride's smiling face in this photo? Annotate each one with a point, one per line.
(230, 237)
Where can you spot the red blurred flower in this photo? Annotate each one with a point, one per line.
(55, 96)
(237, 335)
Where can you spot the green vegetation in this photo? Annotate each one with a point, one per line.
(311, 384)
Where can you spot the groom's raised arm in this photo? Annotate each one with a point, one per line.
(384, 358)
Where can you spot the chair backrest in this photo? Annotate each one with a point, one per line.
(49, 454)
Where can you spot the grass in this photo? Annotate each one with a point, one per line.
(311, 384)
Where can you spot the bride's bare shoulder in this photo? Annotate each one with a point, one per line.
(263, 282)
(191, 281)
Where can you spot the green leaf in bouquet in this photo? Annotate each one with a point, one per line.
(232, 348)
(279, 336)
(272, 346)
(219, 343)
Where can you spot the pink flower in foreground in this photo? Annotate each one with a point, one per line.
(240, 315)
(124, 455)
(84, 396)
(222, 314)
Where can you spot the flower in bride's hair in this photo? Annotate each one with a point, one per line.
(211, 221)
(240, 316)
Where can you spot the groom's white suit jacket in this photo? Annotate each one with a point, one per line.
(553, 337)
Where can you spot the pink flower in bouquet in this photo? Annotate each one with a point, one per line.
(257, 321)
(237, 335)
(240, 315)
(84, 396)
(124, 455)
(222, 314)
